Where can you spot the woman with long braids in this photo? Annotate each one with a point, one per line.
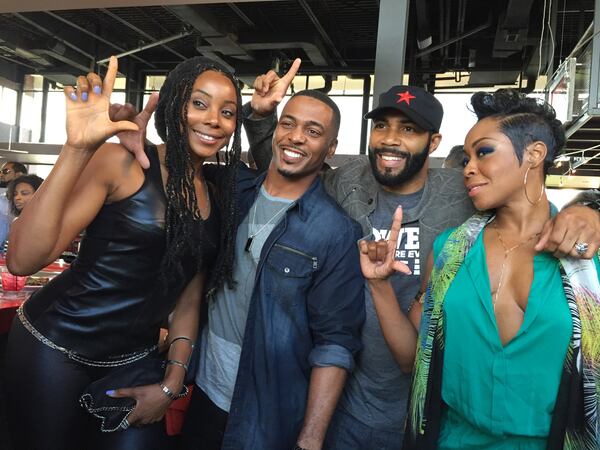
(507, 353)
(157, 237)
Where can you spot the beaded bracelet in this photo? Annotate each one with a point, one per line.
(419, 298)
(169, 393)
(174, 362)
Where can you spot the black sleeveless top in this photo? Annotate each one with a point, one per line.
(111, 302)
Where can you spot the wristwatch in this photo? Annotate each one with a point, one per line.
(591, 199)
(594, 204)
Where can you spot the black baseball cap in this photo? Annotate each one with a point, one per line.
(415, 103)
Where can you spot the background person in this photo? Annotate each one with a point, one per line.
(8, 172)
(455, 158)
(20, 190)
(11, 170)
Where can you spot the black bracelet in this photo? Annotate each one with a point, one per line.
(594, 204)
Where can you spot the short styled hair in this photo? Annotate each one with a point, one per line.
(455, 158)
(322, 97)
(523, 120)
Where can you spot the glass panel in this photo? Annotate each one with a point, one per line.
(155, 82)
(31, 121)
(8, 105)
(582, 81)
(120, 83)
(55, 132)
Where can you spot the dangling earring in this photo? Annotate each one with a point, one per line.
(525, 189)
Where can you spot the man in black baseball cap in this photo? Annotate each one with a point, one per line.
(415, 103)
(404, 132)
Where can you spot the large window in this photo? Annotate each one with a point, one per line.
(8, 108)
(31, 108)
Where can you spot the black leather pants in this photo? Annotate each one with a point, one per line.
(42, 391)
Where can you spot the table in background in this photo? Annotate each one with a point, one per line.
(11, 300)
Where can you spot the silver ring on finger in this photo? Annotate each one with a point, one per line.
(125, 424)
(581, 247)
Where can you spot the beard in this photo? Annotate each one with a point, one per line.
(293, 175)
(414, 163)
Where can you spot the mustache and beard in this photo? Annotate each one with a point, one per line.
(414, 162)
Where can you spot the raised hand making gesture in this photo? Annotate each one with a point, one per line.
(88, 121)
(377, 258)
(270, 89)
(378, 263)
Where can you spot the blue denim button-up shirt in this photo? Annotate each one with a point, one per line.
(306, 311)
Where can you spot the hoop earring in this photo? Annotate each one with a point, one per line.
(525, 189)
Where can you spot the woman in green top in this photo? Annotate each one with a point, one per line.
(506, 357)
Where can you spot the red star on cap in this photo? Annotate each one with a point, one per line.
(405, 97)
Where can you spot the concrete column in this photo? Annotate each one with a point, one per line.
(391, 45)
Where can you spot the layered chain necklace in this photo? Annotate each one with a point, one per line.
(507, 252)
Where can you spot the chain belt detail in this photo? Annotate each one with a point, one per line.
(119, 360)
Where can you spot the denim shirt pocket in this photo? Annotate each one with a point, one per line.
(291, 274)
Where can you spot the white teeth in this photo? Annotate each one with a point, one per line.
(206, 137)
(292, 154)
(391, 158)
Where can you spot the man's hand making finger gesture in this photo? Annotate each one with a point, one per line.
(270, 89)
(377, 258)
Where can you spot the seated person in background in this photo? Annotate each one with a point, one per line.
(18, 193)
(20, 190)
(10, 171)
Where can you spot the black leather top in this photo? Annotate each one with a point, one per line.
(110, 301)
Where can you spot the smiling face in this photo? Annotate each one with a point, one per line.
(211, 113)
(492, 173)
(304, 137)
(398, 148)
(22, 195)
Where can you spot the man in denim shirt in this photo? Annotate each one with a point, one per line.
(277, 347)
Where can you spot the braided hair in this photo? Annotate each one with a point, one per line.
(523, 120)
(182, 214)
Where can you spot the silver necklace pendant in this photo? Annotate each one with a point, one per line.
(249, 243)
